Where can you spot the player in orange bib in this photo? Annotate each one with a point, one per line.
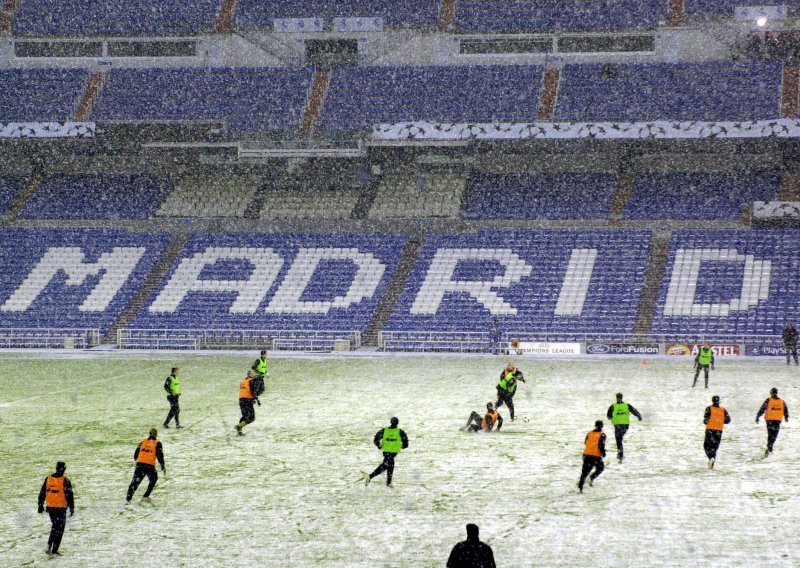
(715, 419)
(147, 453)
(774, 410)
(488, 423)
(56, 493)
(594, 451)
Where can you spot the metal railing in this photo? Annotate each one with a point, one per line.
(234, 339)
(484, 342)
(48, 338)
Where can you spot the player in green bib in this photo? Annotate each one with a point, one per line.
(620, 415)
(704, 360)
(390, 441)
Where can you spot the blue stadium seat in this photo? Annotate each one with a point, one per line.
(96, 197)
(360, 97)
(540, 196)
(300, 294)
(115, 17)
(248, 98)
(72, 278)
(40, 94)
(669, 91)
(549, 15)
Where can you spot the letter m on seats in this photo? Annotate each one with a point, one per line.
(113, 267)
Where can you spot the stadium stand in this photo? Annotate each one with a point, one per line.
(360, 97)
(96, 197)
(540, 196)
(40, 94)
(395, 13)
(418, 195)
(274, 281)
(700, 196)
(548, 15)
(71, 278)
(321, 204)
(727, 6)
(10, 189)
(198, 195)
(534, 281)
(666, 91)
(247, 98)
(726, 282)
(78, 18)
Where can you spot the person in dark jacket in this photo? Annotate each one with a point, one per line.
(471, 553)
(390, 441)
(147, 453)
(173, 387)
(715, 419)
(593, 453)
(56, 494)
(790, 342)
(776, 410)
(620, 415)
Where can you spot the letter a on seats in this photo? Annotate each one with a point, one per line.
(250, 292)
(439, 280)
(116, 266)
(287, 299)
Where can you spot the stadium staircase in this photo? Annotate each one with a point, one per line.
(676, 10)
(653, 275)
(7, 15)
(389, 299)
(447, 15)
(27, 192)
(319, 89)
(226, 16)
(621, 197)
(149, 285)
(790, 187)
(790, 91)
(547, 102)
(93, 88)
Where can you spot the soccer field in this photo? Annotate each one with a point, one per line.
(291, 492)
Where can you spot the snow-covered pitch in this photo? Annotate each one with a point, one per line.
(291, 492)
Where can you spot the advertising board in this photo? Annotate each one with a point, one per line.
(719, 349)
(543, 348)
(622, 349)
(765, 350)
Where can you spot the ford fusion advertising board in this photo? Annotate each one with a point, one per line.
(622, 349)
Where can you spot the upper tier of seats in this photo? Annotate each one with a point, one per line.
(395, 13)
(700, 196)
(96, 197)
(669, 91)
(10, 188)
(274, 281)
(360, 97)
(248, 98)
(72, 278)
(547, 15)
(555, 281)
(40, 94)
(729, 282)
(115, 17)
(728, 6)
(540, 196)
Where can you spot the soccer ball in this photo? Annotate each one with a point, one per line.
(525, 419)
